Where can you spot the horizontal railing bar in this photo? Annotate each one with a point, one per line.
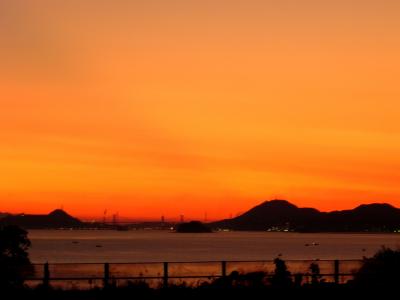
(201, 262)
(171, 277)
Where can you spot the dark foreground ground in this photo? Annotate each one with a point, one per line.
(206, 294)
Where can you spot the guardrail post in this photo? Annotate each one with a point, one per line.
(336, 274)
(106, 279)
(223, 268)
(165, 279)
(46, 274)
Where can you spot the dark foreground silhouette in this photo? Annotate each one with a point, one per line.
(280, 284)
(15, 265)
(377, 276)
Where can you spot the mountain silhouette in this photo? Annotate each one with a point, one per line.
(56, 219)
(281, 215)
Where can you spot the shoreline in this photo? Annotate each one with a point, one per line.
(216, 231)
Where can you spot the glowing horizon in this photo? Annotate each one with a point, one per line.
(185, 107)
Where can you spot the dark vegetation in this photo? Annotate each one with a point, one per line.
(15, 265)
(381, 270)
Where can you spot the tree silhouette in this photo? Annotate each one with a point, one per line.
(315, 273)
(15, 265)
(380, 270)
(281, 277)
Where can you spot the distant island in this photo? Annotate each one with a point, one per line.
(59, 219)
(193, 227)
(281, 215)
(274, 215)
(56, 219)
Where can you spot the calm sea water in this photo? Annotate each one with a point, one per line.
(153, 246)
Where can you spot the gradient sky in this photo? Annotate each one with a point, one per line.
(184, 107)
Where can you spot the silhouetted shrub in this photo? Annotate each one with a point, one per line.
(239, 280)
(15, 265)
(383, 269)
(136, 284)
(282, 277)
(316, 277)
(298, 280)
(252, 279)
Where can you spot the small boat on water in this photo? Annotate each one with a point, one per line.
(312, 244)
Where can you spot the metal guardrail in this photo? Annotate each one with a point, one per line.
(166, 273)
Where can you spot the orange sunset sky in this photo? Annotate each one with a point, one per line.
(176, 107)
